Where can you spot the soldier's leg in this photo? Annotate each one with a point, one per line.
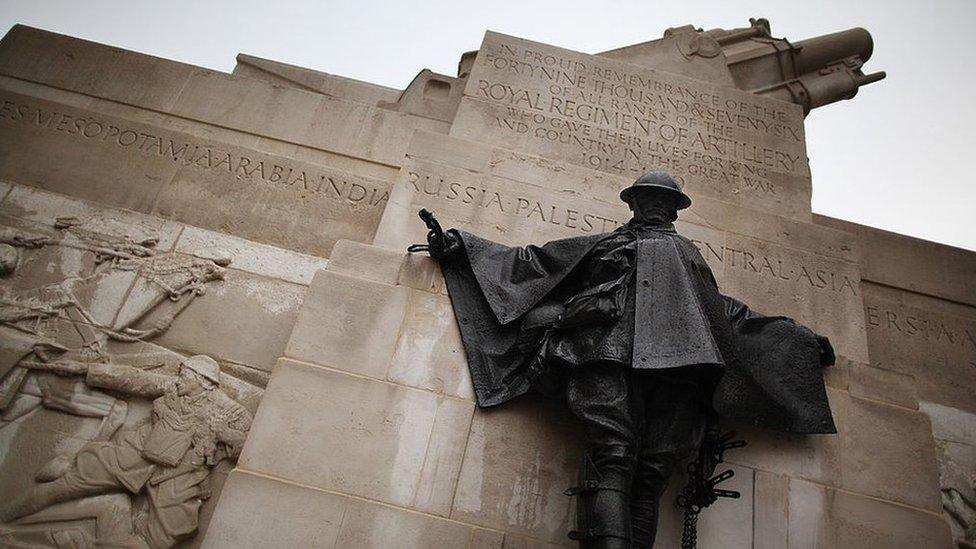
(674, 424)
(598, 394)
(87, 476)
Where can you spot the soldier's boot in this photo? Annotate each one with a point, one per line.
(602, 509)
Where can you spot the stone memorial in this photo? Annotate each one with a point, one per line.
(213, 335)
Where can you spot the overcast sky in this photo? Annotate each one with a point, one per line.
(896, 157)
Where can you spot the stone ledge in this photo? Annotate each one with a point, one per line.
(262, 511)
(830, 518)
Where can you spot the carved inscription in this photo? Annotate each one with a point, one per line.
(181, 149)
(476, 195)
(925, 327)
(786, 270)
(618, 118)
(432, 185)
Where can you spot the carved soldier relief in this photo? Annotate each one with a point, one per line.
(113, 439)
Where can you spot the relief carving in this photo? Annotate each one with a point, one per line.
(79, 347)
(963, 512)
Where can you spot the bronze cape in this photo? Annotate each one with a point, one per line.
(512, 305)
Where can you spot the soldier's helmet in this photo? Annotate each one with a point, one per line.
(656, 180)
(205, 366)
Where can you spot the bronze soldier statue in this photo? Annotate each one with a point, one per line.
(631, 329)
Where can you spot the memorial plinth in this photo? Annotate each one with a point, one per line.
(156, 210)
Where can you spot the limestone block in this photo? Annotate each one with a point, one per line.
(332, 124)
(932, 340)
(486, 539)
(243, 104)
(312, 80)
(883, 385)
(84, 156)
(349, 324)
(880, 450)
(360, 260)
(420, 272)
(913, 264)
(369, 525)
(251, 257)
(93, 69)
(429, 353)
(513, 541)
(772, 507)
(826, 518)
(359, 436)
(245, 319)
(253, 508)
(496, 208)
(519, 459)
(888, 452)
(197, 180)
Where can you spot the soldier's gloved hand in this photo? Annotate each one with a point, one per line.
(827, 357)
(444, 245)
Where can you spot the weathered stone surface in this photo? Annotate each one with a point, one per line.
(259, 259)
(93, 69)
(883, 385)
(43, 208)
(243, 104)
(771, 510)
(332, 124)
(373, 526)
(245, 319)
(880, 450)
(203, 182)
(825, 518)
(348, 324)
(625, 119)
(911, 263)
(364, 261)
(519, 492)
(486, 539)
(429, 353)
(513, 541)
(362, 437)
(500, 209)
(312, 80)
(932, 340)
(314, 516)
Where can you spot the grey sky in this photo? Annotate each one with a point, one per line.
(896, 157)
